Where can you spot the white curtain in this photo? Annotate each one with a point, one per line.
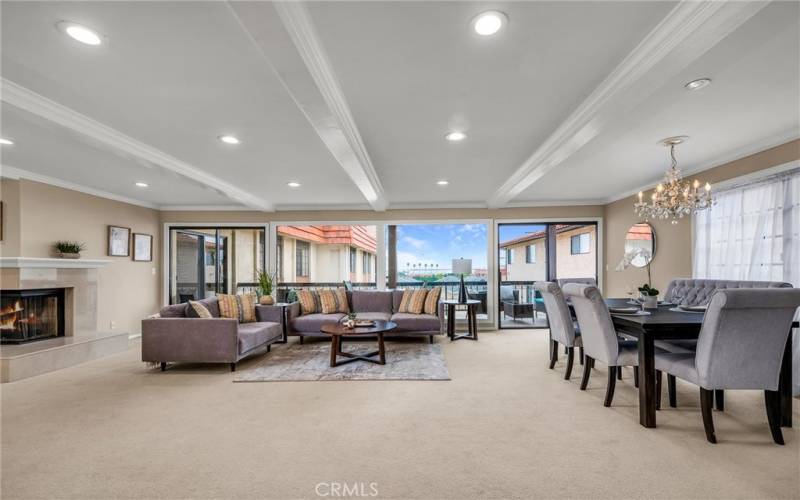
(753, 233)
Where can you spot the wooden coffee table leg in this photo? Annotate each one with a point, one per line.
(334, 349)
(381, 349)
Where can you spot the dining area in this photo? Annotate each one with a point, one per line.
(717, 335)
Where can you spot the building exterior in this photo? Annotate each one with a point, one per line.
(525, 258)
(326, 254)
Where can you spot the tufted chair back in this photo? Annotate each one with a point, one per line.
(598, 334)
(742, 341)
(697, 292)
(560, 320)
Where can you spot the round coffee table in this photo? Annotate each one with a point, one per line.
(337, 331)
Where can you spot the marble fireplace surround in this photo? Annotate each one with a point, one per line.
(77, 276)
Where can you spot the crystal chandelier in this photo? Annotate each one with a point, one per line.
(674, 197)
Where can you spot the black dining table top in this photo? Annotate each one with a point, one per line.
(661, 317)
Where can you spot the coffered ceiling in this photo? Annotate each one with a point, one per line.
(352, 100)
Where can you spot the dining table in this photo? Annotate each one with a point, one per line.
(668, 323)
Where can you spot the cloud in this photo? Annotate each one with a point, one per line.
(413, 242)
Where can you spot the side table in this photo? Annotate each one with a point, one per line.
(472, 318)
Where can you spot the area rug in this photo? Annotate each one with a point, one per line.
(296, 362)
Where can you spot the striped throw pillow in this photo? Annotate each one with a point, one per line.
(198, 310)
(309, 301)
(415, 303)
(239, 307)
(333, 301)
(432, 301)
(228, 306)
(407, 294)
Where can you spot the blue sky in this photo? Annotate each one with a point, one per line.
(439, 244)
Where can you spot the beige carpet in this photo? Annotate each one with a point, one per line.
(504, 427)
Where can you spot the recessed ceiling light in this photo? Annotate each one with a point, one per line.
(79, 33)
(455, 136)
(293, 184)
(698, 84)
(489, 22)
(6, 142)
(442, 182)
(142, 184)
(229, 139)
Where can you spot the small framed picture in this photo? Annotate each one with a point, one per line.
(142, 247)
(119, 241)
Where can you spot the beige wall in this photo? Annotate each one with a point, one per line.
(673, 242)
(9, 195)
(128, 290)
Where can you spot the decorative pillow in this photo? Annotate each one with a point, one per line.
(309, 301)
(240, 307)
(247, 307)
(333, 301)
(228, 306)
(432, 301)
(197, 310)
(407, 294)
(415, 303)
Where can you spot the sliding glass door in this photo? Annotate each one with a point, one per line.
(205, 261)
(531, 252)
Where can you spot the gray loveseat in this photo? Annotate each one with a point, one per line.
(174, 337)
(369, 304)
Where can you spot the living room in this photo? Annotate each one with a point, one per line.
(247, 233)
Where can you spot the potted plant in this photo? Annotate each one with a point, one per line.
(266, 282)
(649, 296)
(69, 249)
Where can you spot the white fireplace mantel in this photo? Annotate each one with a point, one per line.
(51, 263)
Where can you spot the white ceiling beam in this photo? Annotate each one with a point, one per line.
(285, 35)
(41, 106)
(685, 34)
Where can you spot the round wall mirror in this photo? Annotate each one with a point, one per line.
(640, 244)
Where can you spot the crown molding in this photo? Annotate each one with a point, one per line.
(18, 173)
(718, 161)
(48, 109)
(554, 203)
(685, 34)
(309, 78)
(204, 208)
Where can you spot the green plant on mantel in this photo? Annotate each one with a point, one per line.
(69, 246)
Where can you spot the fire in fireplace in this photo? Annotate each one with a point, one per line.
(28, 315)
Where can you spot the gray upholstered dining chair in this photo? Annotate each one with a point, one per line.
(741, 345)
(599, 337)
(562, 329)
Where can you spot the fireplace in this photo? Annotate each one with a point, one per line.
(29, 315)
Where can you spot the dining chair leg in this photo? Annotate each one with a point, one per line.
(570, 361)
(566, 349)
(706, 400)
(587, 369)
(580, 356)
(636, 376)
(673, 396)
(719, 399)
(612, 382)
(773, 403)
(619, 373)
(553, 353)
(659, 378)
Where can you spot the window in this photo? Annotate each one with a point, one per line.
(530, 254)
(752, 232)
(366, 263)
(279, 257)
(580, 244)
(302, 258)
(509, 256)
(353, 259)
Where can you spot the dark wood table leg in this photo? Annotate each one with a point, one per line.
(334, 349)
(785, 383)
(647, 381)
(285, 337)
(451, 321)
(381, 349)
(474, 316)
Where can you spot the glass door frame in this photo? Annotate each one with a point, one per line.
(495, 254)
(167, 244)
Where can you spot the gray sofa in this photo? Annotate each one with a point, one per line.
(174, 337)
(369, 304)
(696, 292)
